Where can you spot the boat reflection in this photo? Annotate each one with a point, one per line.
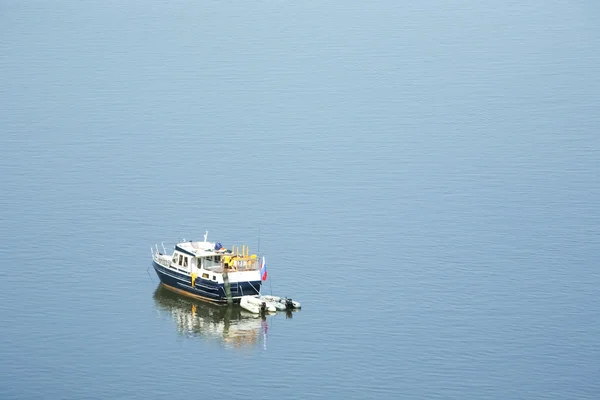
(232, 326)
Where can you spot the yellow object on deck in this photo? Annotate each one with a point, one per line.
(193, 278)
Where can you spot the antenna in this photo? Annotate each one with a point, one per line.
(205, 236)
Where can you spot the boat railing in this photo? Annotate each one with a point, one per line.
(240, 264)
(160, 258)
(234, 264)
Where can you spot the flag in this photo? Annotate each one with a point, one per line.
(263, 269)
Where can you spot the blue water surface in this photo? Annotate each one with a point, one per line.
(422, 176)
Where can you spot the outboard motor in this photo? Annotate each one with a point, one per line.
(289, 304)
(263, 307)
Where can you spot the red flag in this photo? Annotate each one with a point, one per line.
(263, 269)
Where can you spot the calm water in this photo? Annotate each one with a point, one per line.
(423, 176)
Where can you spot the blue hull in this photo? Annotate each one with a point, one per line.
(203, 289)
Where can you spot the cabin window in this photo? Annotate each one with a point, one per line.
(217, 259)
(180, 259)
(185, 261)
(205, 276)
(214, 278)
(174, 259)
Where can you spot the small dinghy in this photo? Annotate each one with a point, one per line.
(287, 302)
(256, 305)
(278, 305)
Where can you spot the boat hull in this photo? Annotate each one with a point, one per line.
(204, 289)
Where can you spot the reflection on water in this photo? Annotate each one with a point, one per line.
(232, 326)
